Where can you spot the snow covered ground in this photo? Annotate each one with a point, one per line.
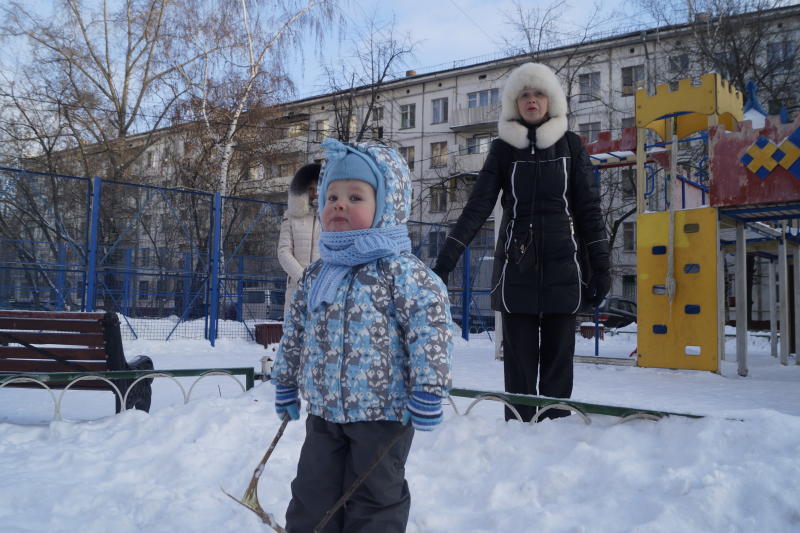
(737, 469)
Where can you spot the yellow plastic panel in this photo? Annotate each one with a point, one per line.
(691, 340)
(714, 96)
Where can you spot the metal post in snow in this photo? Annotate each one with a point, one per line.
(240, 290)
(773, 309)
(187, 283)
(796, 262)
(466, 296)
(783, 295)
(61, 280)
(740, 280)
(126, 282)
(91, 260)
(214, 275)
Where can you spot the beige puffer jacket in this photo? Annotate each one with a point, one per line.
(298, 241)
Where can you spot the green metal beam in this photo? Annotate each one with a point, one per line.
(541, 401)
(60, 377)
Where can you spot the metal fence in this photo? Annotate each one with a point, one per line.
(173, 263)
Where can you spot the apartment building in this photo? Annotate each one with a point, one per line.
(442, 122)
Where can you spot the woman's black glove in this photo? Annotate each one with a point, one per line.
(599, 285)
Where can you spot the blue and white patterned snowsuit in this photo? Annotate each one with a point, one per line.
(387, 332)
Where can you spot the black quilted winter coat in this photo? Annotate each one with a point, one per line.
(551, 232)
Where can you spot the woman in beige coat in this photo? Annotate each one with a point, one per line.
(299, 237)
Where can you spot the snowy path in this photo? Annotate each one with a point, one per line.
(163, 471)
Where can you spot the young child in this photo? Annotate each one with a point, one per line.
(367, 344)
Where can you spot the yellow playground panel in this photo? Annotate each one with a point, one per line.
(695, 108)
(682, 334)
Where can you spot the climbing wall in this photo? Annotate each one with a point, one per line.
(683, 334)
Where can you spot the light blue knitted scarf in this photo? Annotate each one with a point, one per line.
(342, 250)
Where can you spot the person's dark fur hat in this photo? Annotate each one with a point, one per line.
(305, 177)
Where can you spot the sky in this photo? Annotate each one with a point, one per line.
(445, 31)
(735, 470)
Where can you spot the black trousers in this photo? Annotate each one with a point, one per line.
(537, 358)
(332, 457)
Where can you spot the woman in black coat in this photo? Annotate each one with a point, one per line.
(551, 225)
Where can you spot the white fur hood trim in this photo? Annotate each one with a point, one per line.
(540, 77)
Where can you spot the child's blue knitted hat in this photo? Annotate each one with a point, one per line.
(343, 162)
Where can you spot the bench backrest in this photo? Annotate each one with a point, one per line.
(66, 342)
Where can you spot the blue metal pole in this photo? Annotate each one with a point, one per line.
(126, 282)
(61, 280)
(596, 332)
(187, 283)
(91, 266)
(240, 290)
(215, 256)
(466, 297)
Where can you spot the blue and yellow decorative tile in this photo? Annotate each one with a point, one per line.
(760, 158)
(790, 147)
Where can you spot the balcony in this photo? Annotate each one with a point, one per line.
(474, 119)
(466, 162)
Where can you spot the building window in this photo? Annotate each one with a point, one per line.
(151, 161)
(589, 130)
(723, 64)
(321, 130)
(629, 287)
(252, 173)
(679, 64)
(589, 86)
(285, 169)
(632, 79)
(144, 289)
(439, 154)
(478, 144)
(629, 122)
(377, 132)
(377, 114)
(628, 236)
(780, 56)
(438, 199)
(627, 178)
(489, 97)
(296, 130)
(439, 110)
(408, 153)
(408, 116)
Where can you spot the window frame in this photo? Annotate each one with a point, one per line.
(408, 116)
(593, 128)
(631, 88)
(629, 237)
(438, 202)
(593, 83)
(439, 159)
(439, 107)
(404, 151)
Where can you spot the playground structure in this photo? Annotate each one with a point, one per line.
(751, 187)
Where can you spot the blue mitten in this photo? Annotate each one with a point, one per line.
(287, 401)
(424, 411)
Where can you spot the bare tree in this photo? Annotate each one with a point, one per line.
(377, 54)
(248, 75)
(106, 72)
(742, 40)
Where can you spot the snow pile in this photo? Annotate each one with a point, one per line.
(735, 470)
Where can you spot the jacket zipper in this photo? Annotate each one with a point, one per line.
(344, 335)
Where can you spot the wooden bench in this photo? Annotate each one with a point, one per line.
(59, 347)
